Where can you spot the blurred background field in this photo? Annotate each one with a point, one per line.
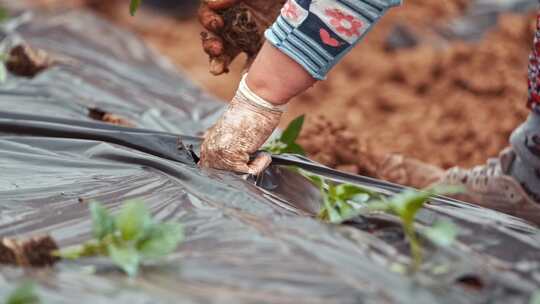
(443, 82)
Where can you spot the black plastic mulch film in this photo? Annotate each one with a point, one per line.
(245, 243)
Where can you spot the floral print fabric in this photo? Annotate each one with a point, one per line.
(318, 33)
(534, 70)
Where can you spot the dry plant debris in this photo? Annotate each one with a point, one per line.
(34, 252)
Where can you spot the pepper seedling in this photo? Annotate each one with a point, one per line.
(134, 6)
(339, 200)
(286, 143)
(23, 294)
(406, 206)
(128, 238)
(345, 201)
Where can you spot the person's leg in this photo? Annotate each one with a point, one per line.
(525, 140)
(534, 70)
(511, 182)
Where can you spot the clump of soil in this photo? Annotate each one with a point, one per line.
(320, 137)
(333, 144)
(101, 115)
(26, 61)
(179, 40)
(235, 29)
(34, 252)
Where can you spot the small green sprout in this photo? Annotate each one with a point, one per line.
(286, 143)
(339, 200)
(23, 294)
(406, 205)
(134, 6)
(345, 201)
(127, 238)
(443, 233)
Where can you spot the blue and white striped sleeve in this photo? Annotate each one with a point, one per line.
(318, 33)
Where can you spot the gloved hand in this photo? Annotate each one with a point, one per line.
(235, 26)
(245, 126)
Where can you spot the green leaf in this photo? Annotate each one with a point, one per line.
(360, 198)
(126, 258)
(333, 215)
(293, 130)
(344, 208)
(275, 147)
(332, 191)
(24, 294)
(134, 6)
(286, 143)
(445, 190)
(407, 203)
(133, 221)
(103, 222)
(348, 192)
(314, 179)
(161, 240)
(293, 148)
(370, 206)
(443, 233)
(336, 199)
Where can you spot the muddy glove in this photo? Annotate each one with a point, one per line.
(235, 26)
(244, 127)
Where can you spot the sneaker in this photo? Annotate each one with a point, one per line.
(493, 186)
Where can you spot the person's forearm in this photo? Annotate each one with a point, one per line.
(277, 78)
(306, 41)
(303, 44)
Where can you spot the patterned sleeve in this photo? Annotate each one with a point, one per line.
(318, 33)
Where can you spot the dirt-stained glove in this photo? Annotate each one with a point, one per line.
(245, 126)
(235, 26)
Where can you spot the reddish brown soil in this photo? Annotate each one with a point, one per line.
(444, 104)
